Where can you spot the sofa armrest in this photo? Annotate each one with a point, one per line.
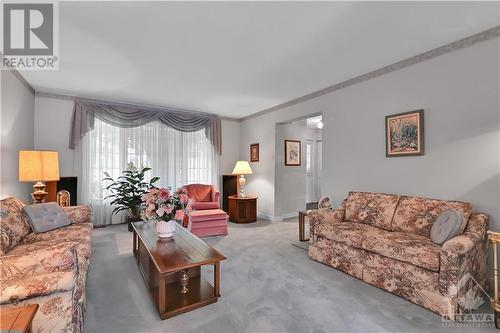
(463, 259)
(56, 258)
(79, 214)
(326, 216)
(18, 289)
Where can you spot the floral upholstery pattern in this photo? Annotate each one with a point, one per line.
(408, 248)
(405, 262)
(463, 257)
(326, 215)
(416, 215)
(349, 233)
(81, 234)
(50, 269)
(60, 257)
(338, 255)
(19, 289)
(55, 314)
(375, 209)
(79, 214)
(13, 225)
(415, 284)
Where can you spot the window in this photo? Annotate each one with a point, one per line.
(309, 156)
(178, 158)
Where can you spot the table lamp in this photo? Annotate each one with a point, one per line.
(242, 168)
(38, 166)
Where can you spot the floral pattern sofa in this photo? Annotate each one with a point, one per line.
(48, 268)
(384, 240)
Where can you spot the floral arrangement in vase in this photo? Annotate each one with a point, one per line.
(165, 206)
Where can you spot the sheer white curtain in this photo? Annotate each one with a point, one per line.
(178, 158)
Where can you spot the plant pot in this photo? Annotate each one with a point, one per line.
(131, 219)
(165, 229)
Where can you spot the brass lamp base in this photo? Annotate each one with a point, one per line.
(184, 282)
(242, 182)
(39, 194)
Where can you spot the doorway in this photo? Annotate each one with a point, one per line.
(297, 186)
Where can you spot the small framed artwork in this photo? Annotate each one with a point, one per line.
(292, 153)
(404, 134)
(254, 152)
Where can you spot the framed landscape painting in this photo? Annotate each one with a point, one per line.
(404, 134)
(254, 152)
(292, 153)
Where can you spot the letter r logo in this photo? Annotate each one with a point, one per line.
(28, 29)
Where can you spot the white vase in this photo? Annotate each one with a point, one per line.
(165, 229)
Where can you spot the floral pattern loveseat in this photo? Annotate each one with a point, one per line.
(48, 268)
(384, 240)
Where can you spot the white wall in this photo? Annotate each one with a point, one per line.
(53, 124)
(17, 119)
(52, 128)
(460, 94)
(230, 146)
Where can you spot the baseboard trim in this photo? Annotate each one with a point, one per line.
(278, 218)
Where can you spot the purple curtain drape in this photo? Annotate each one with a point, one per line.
(123, 115)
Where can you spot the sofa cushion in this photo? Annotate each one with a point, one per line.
(45, 216)
(348, 233)
(13, 224)
(416, 250)
(81, 234)
(204, 205)
(375, 209)
(416, 215)
(412, 249)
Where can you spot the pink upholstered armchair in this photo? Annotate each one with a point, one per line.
(203, 196)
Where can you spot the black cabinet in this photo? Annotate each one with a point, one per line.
(229, 187)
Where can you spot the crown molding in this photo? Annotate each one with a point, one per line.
(18, 75)
(71, 97)
(448, 48)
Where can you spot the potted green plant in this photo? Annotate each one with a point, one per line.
(127, 191)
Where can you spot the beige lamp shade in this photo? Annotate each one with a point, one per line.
(36, 165)
(242, 168)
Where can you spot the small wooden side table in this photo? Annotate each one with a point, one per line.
(18, 319)
(302, 226)
(242, 209)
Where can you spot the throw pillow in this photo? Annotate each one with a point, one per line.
(45, 217)
(446, 226)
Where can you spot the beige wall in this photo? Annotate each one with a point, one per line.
(17, 121)
(460, 94)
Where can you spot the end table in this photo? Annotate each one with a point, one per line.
(18, 319)
(242, 209)
(302, 226)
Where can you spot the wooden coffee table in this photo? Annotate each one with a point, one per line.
(17, 319)
(171, 269)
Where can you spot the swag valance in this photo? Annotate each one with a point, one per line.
(122, 115)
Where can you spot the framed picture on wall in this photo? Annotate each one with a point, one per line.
(404, 134)
(254, 152)
(292, 153)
